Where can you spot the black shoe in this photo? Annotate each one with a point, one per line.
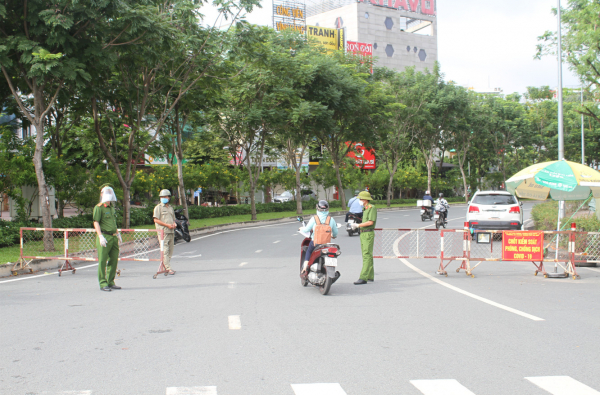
(107, 289)
(360, 282)
(115, 287)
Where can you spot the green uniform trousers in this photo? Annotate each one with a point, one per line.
(168, 247)
(108, 258)
(367, 242)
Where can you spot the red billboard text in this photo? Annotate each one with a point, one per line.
(364, 157)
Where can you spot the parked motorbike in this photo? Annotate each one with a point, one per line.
(182, 231)
(353, 218)
(440, 216)
(321, 270)
(426, 213)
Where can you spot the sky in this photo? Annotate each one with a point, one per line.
(485, 44)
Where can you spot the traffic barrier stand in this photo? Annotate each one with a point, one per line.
(71, 245)
(537, 247)
(407, 243)
(453, 247)
(586, 249)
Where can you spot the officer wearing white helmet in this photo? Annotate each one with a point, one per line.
(164, 218)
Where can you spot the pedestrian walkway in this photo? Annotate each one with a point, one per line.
(555, 385)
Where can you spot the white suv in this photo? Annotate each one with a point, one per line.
(495, 210)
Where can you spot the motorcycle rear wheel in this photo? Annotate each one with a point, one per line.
(423, 217)
(324, 289)
(437, 224)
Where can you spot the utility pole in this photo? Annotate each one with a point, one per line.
(582, 131)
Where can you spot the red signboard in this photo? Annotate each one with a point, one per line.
(364, 157)
(364, 50)
(522, 245)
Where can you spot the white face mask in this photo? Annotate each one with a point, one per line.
(361, 203)
(108, 195)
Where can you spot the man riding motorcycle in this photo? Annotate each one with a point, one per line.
(428, 197)
(442, 202)
(354, 206)
(322, 213)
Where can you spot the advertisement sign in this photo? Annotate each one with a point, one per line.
(289, 15)
(363, 50)
(522, 245)
(330, 39)
(364, 157)
(425, 7)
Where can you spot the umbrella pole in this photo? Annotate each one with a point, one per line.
(556, 274)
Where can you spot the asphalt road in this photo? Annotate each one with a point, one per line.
(235, 320)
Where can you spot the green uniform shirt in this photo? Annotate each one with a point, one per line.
(105, 216)
(370, 214)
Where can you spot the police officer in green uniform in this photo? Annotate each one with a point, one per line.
(108, 238)
(367, 237)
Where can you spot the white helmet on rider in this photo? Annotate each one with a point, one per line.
(322, 206)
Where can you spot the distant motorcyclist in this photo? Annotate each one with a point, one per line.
(323, 214)
(427, 196)
(354, 206)
(443, 203)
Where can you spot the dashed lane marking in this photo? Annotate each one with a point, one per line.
(275, 242)
(562, 385)
(318, 389)
(234, 322)
(231, 285)
(243, 263)
(441, 387)
(257, 251)
(192, 391)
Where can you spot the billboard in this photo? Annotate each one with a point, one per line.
(364, 50)
(364, 157)
(330, 39)
(425, 7)
(289, 15)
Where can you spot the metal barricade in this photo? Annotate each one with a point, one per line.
(586, 249)
(407, 243)
(70, 245)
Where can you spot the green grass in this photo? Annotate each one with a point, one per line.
(10, 254)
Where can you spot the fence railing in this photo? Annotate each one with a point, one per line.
(566, 249)
(71, 245)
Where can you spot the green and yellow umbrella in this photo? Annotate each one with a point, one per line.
(561, 179)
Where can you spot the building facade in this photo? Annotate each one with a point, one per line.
(403, 32)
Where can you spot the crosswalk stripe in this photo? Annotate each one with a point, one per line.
(86, 392)
(318, 389)
(441, 387)
(562, 385)
(191, 390)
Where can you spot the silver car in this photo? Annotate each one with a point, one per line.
(495, 210)
(286, 196)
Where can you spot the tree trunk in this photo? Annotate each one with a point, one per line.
(298, 191)
(43, 192)
(179, 153)
(461, 166)
(61, 207)
(429, 163)
(341, 194)
(126, 207)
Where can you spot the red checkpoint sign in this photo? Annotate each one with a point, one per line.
(522, 245)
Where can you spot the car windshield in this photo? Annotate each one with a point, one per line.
(286, 194)
(494, 199)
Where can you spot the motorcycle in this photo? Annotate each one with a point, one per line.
(353, 218)
(321, 270)
(440, 216)
(182, 231)
(426, 213)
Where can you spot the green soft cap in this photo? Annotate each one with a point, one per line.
(364, 195)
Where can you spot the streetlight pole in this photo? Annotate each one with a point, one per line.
(582, 131)
(561, 143)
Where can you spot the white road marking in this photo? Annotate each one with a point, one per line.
(275, 242)
(318, 389)
(562, 385)
(86, 392)
(441, 387)
(243, 263)
(257, 251)
(234, 322)
(231, 285)
(469, 294)
(191, 390)
(192, 256)
(590, 268)
(189, 252)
